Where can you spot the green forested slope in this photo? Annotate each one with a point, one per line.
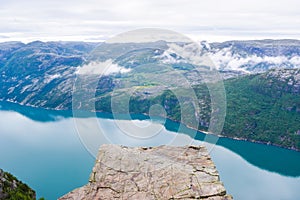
(263, 108)
(13, 189)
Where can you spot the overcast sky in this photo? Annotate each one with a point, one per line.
(92, 20)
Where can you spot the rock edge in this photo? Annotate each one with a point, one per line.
(163, 172)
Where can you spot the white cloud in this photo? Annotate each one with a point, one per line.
(102, 68)
(295, 61)
(225, 60)
(205, 19)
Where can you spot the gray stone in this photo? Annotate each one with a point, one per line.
(163, 172)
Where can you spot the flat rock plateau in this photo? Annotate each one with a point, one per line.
(164, 172)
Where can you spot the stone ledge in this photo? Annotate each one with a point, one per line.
(163, 172)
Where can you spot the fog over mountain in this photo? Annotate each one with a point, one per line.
(42, 74)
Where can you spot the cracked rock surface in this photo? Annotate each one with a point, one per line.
(163, 172)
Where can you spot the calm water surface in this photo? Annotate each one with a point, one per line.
(43, 149)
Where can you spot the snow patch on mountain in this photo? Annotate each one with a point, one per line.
(25, 88)
(51, 77)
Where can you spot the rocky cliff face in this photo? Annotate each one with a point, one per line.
(11, 188)
(152, 173)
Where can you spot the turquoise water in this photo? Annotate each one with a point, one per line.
(43, 149)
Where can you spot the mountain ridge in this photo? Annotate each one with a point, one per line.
(42, 75)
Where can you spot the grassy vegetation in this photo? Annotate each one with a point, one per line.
(13, 189)
(258, 108)
(264, 110)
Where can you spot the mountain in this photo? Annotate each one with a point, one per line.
(255, 56)
(32, 74)
(265, 107)
(260, 107)
(261, 79)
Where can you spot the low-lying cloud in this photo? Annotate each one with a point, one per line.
(102, 68)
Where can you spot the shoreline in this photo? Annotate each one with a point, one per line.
(145, 114)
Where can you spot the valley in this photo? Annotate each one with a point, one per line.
(260, 78)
